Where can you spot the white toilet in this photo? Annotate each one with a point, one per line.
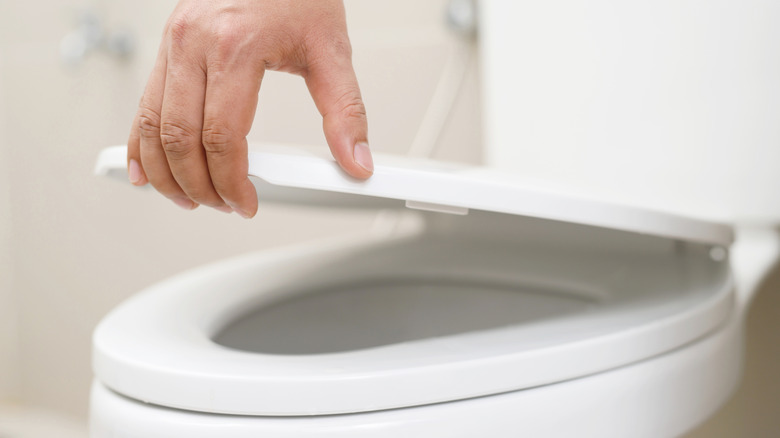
(504, 310)
(499, 303)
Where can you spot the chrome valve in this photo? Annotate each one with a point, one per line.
(91, 36)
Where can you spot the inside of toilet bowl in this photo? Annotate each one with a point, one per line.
(499, 285)
(389, 311)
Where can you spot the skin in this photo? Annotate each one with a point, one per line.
(188, 138)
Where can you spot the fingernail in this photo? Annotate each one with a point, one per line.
(240, 212)
(134, 172)
(362, 155)
(224, 209)
(186, 204)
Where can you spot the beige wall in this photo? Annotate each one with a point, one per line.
(81, 244)
(8, 309)
(753, 411)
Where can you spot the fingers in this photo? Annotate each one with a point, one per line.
(153, 158)
(180, 130)
(334, 88)
(134, 170)
(189, 136)
(230, 104)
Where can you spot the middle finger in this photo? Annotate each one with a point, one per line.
(182, 123)
(152, 156)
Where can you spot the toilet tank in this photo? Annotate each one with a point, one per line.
(669, 104)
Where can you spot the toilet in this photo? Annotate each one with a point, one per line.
(590, 280)
(490, 306)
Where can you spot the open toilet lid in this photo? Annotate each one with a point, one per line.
(311, 176)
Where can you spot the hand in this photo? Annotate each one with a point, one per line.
(189, 136)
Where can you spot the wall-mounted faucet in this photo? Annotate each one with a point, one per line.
(462, 16)
(91, 36)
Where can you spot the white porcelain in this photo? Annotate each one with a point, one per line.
(668, 103)
(563, 302)
(660, 397)
(568, 299)
(480, 314)
(507, 298)
(309, 175)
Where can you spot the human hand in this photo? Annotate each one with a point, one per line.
(189, 135)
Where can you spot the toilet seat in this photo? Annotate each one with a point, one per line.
(664, 396)
(621, 286)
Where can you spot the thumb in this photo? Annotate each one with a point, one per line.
(335, 91)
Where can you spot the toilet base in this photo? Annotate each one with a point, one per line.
(661, 397)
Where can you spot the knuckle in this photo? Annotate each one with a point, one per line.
(340, 47)
(330, 46)
(217, 139)
(179, 28)
(226, 39)
(351, 105)
(148, 122)
(227, 35)
(178, 140)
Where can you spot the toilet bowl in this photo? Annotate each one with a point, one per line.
(495, 305)
(500, 307)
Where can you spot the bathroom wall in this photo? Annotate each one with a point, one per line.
(8, 310)
(82, 244)
(752, 411)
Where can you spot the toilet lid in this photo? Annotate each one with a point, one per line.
(309, 175)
